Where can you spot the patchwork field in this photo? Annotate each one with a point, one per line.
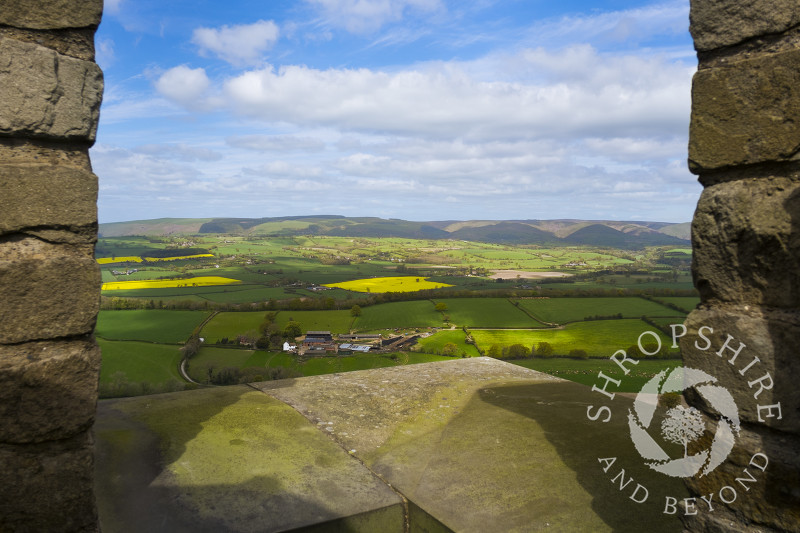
(286, 270)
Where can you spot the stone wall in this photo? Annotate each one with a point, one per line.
(49, 282)
(745, 147)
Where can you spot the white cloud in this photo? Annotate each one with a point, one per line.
(104, 53)
(238, 45)
(111, 7)
(631, 26)
(184, 85)
(276, 143)
(544, 131)
(578, 92)
(180, 152)
(143, 172)
(364, 16)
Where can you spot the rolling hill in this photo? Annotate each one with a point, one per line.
(617, 234)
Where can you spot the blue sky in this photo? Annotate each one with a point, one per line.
(413, 109)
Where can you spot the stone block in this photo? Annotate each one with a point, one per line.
(52, 14)
(48, 487)
(19, 151)
(746, 241)
(36, 196)
(48, 95)
(716, 24)
(77, 43)
(760, 475)
(764, 372)
(234, 460)
(49, 290)
(48, 390)
(746, 113)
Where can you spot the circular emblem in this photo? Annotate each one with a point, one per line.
(681, 425)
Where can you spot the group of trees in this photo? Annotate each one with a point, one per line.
(233, 375)
(520, 351)
(271, 336)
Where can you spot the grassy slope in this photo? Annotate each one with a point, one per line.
(153, 325)
(585, 372)
(139, 361)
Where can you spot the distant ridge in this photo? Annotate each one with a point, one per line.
(616, 234)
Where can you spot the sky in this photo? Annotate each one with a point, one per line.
(411, 109)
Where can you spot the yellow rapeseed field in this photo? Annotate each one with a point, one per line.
(200, 281)
(178, 257)
(390, 284)
(136, 259)
(128, 259)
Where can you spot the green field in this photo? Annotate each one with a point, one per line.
(436, 342)
(153, 325)
(218, 358)
(229, 325)
(283, 270)
(130, 368)
(562, 310)
(333, 321)
(585, 372)
(600, 338)
(415, 314)
(684, 302)
(487, 313)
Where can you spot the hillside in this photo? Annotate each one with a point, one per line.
(617, 234)
(158, 226)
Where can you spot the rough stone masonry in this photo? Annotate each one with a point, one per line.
(745, 146)
(50, 91)
(744, 142)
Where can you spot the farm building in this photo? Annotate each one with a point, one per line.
(354, 348)
(318, 341)
(362, 337)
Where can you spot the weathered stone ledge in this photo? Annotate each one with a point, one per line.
(464, 445)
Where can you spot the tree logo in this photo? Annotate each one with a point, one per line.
(681, 425)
